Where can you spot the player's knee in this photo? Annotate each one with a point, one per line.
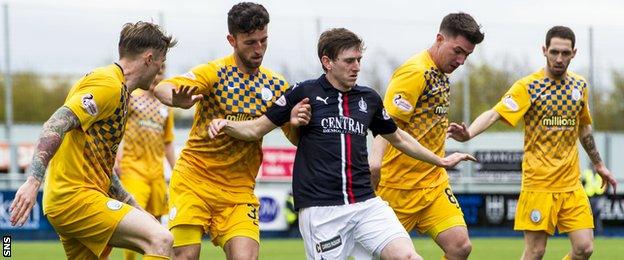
(185, 253)
(401, 255)
(584, 249)
(161, 242)
(536, 252)
(243, 255)
(463, 249)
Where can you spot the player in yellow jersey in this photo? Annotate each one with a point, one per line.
(212, 186)
(148, 140)
(417, 98)
(84, 201)
(554, 105)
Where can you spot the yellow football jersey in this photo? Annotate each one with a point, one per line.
(86, 156)
(228, 93)
(417, 98)
(552, 112)
(148, 130)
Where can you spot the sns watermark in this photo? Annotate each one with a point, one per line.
(6, 246)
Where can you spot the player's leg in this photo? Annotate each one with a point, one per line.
(235, 229)
(141, 193)
(141, 232)
(536, 213)
(575, 218)
(187, 241)
(380, 232)
(443, 220)
(241, 248)
(582, 244)
(327, 231)
(534, 244)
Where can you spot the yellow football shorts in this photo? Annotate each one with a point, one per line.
(199, 206)
(86, 223)
(543, 211)
(150, 195)
(429, 210)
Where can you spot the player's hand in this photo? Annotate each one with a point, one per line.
(458, 132)
(184, 97)
(301, 113)
(25, 198)
(453, 159)
(607, 177)
(215, 127)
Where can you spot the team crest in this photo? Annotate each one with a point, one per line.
(576, 94)
(266, 94)
(385, 114)
(114, 205)
(362, 105)
(536, 216)
(281, 101)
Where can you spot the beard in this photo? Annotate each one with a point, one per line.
(250, 63)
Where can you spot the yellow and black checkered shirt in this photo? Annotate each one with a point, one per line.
(417, 98)
(552, 110)
(148, 130)
(228, 93)
(86, 156)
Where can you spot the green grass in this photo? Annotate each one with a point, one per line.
(276, 249)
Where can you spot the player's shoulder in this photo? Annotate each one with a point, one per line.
(576, 77)
(104, 77)
(415, 66)
(533, 78)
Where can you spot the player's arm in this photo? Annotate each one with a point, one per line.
(410, 146)
(587, 141)
(182, 97)
(462, 133)
(375, 158)
(50, 139)
(302, 113)
(117, 191)
(250, 130)
(170, 154)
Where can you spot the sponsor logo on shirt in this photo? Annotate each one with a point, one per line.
(401, 103)
(147, 123)
(441, 110)
(330, 244)
(558, 121)
(239, 117)
(342, 125)
(510, 103)
(88, 103)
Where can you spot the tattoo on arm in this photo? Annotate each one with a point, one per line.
(50, 139)
(589, 145)
(117, 191)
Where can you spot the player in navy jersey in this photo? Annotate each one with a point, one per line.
(331, 183)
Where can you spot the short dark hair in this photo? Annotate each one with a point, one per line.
(333, 41)
(247, 17)
(463, 24)
(560, 32)
(135, 38)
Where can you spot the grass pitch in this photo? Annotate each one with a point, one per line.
(288, 249)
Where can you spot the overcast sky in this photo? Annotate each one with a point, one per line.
(68, 36)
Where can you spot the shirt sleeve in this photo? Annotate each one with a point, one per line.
(279, 112)
(403, 92)
(585, 116)
(382, 123)
(514, 104)
(96, 98)
(203, 77)
(168, 135)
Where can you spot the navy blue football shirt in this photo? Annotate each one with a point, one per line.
(331, 163)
